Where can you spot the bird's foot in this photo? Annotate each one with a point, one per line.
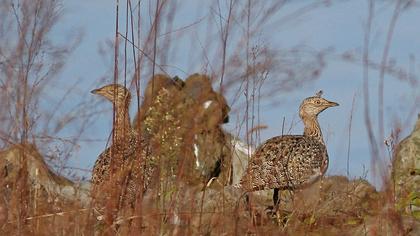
(272, 213)
(279, 216)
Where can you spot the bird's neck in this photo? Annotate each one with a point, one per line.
(312, 128)
(122, 124)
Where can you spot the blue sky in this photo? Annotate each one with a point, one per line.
(338, 28)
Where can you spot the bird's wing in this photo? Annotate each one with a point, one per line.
(283, 162)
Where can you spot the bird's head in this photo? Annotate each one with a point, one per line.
(115, 93)
(312, 106)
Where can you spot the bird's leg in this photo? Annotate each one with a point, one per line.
(320, 189)
(247, 203)
(276, 199)
(272, 210)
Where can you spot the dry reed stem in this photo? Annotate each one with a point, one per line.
(248, 82)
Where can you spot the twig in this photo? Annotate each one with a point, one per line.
(144, 53)
(368, 122)
(382, 72)
(349, 137)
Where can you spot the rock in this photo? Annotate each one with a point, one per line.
(197, 212)
(39, 175)
(212, 108)
(182, 122)
(406, 173)
(388, 222)
(3, 211)
(340, 205)
(30, 192)
(208, 110)
(159, 121)
(335, 199)
(241, 154)
(154, 86)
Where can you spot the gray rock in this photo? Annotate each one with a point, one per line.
(406, 173)
(3, 211)
(39, 175)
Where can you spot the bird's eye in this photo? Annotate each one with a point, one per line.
(317, 102)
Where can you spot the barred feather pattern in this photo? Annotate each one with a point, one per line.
(286, 162)
(291, 161)
(128, 159)
(135, 162)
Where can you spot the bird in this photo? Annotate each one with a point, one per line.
(290, 162)
(128, 149)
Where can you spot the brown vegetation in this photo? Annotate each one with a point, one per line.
(196, 159)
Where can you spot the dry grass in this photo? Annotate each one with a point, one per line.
(33, 199)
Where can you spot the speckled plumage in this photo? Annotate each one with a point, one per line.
(286, 162)
(132, 154)
(128, 152)
(291, 161)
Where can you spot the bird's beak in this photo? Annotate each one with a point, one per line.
(226, 120)
(332, 104)
(95, 91)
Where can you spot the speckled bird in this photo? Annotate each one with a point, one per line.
(291, 161)
(127, 149)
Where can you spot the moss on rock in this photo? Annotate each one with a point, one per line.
(406, 173)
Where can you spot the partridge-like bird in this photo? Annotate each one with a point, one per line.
(291, 161)
(127, 150)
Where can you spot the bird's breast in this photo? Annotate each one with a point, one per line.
(316, 174)
(324, 165)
